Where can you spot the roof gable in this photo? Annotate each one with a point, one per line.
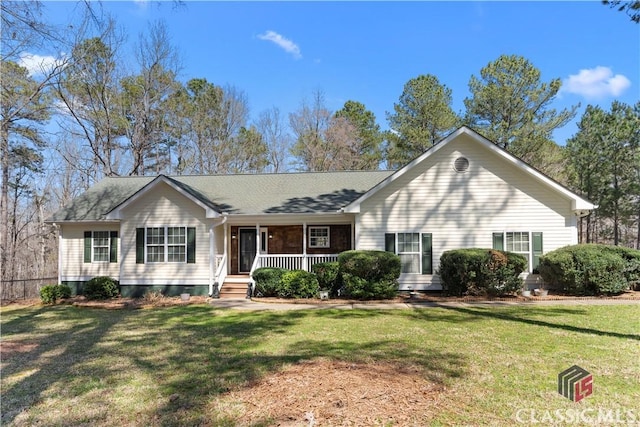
(578, 204)
(182, 188)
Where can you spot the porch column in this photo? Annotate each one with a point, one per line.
(304, 246)
(226, 233)
(356, 232)
(257, 240)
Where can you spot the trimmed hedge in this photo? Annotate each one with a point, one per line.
(268, 280)
(49, 294)
(298, 284)
(328, 274)
(591, 269)
(101, 287)
(479, 271)
(369, 274)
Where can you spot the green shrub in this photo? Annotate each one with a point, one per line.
(268, 280)
(328, 275)
(64, 291)
(591, 269)
(49, 294)
(101, 287)
(631, 258)
(298, 284)
(478, 271)
(369, 274)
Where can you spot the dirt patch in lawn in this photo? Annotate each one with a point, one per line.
(9, 349)
(326, 392)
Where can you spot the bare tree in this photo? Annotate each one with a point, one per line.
(89, 89)
(278, 140)
(323, 141)
(144, 98)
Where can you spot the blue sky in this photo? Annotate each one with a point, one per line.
(278, 53)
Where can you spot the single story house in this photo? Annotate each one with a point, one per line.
(201, 234)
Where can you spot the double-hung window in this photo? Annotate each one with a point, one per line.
(319, 237)
(176, 244)
(155, 244)
(100, 246)
(525, 243)
(414, 249)
(165, 244)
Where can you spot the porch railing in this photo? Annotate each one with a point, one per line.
(221, 273)
(294, 261)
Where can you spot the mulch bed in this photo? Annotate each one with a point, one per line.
(439, 297)
(327, 392)
(136, 303)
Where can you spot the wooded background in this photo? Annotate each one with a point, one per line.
(115, 122)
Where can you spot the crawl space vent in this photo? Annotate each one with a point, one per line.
(461, 164)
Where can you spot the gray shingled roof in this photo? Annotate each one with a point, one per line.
(235, 194)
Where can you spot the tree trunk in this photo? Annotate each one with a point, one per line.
(4, 200)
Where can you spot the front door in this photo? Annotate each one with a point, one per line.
(247, 249)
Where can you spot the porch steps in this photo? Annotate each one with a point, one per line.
(234, 287)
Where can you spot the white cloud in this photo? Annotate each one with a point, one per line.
(598, 82)
(288, 45)
(37, 64)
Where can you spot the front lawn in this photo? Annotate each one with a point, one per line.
(198, 365)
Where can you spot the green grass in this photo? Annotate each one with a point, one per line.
(168, 366)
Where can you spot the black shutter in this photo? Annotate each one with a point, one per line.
(390, 242)
(87, 246)
(191, 245)
(113, 246)
(536, 236)
(139, 245)
(427, 253)
(498, 241)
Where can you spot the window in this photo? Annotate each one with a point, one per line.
(100, 246)
(177, 244)
(409, 252)
(526, 243)
(155, 244)
(166, 244)
(319, 237)
(518, 241)
(414, 250)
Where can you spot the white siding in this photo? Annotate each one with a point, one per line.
(464, 209)
(73, 266)
(164, 207)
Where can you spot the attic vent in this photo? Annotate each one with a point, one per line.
(461, 164)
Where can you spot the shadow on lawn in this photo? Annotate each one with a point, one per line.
(54, 353)
(173, 362)
(226, 358)
(548, 312)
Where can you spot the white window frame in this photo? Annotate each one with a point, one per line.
(174, 244)
(412, 253)
(165, 245)
(313, 240)
(94, 246)
(510, 248)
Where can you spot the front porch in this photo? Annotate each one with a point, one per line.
(292, 247)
